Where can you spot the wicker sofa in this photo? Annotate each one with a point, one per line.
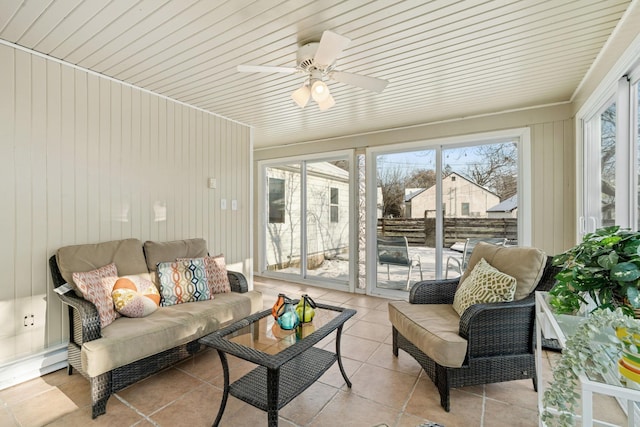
(130, 349)
(490, 342)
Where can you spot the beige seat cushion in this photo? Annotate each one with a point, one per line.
(156, 252)
(126, 254)
(433, 328)
(525, 264)
(129, 339)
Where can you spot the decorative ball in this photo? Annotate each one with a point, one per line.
(134, 296)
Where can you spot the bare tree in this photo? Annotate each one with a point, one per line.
(497, 170)
(421, 178)
(392, 180)
(608, 162)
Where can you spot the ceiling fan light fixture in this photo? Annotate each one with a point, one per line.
(319, 91)
(301, 96)
(327, 103)
(317, 60)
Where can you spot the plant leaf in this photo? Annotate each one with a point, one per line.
(625, 272)
(633, 294)
(608, 261)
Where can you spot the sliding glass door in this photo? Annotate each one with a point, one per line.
(306, 232)
(430, 201)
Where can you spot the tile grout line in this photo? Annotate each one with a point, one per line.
(404, 406)
(136, 410)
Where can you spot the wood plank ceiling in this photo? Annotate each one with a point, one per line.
(444, 59)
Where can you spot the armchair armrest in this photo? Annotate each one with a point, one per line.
(499, 328)
(434, 291)
(238, 282)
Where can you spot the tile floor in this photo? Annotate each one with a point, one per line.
(386, 390)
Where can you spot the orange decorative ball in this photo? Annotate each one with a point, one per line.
(134, 296)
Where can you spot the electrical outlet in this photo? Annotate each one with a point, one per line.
(29, 320)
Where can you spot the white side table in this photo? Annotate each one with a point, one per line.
(559, 327)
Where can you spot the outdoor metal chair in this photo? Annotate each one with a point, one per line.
(395, 251)
(460, 264)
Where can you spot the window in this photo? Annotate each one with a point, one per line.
(465, 209)
(637, 171)
(300, 199)
(276, 201)
(608, 164)
(333, 203)
(610, 176)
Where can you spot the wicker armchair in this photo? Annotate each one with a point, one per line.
(500, 337)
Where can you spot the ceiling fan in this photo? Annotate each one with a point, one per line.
(317, 62)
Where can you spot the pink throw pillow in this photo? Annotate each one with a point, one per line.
(96, 286)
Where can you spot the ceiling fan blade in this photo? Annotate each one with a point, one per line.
(331, 45)
(265, 69)
(365, 82)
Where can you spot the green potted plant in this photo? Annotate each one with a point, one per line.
(580, 356)
(605, 266)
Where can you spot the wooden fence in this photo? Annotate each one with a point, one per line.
(421, 232)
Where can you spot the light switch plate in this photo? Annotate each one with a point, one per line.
(223, 204)
(234, 205)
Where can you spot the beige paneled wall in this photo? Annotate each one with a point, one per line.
(552, 161)
(553, 187)
(87, 159)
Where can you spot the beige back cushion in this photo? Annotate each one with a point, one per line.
(525, 264)
(126, 254)
(157, 252)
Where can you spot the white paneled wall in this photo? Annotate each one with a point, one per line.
(87, 159)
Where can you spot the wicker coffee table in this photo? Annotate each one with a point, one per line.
(288, 361)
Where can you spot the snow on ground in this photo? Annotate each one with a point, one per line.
(338, 269)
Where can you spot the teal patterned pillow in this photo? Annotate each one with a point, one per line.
(183, 281)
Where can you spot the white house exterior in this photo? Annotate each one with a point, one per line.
(462, 198)
(327, 214)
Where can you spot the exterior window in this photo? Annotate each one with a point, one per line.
(608, 164)
(333, 203)
(465, 209)
(637, 171)
(276, 201)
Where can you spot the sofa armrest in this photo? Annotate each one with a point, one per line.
(434, 291)
(84, 320)
(499, 328)
(238, 282)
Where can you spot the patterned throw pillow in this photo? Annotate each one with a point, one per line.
(96, 286)
(183, 281)
(216, 269)
(484, 284)
(134, 296)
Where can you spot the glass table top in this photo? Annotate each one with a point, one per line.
(267, 336)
